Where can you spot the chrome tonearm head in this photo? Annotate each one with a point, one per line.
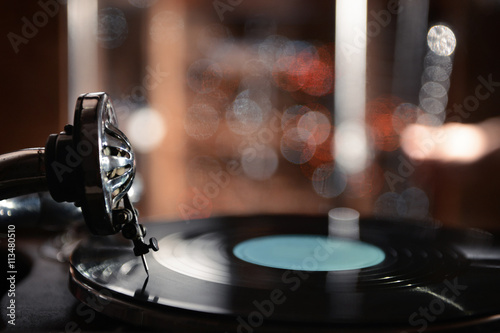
(90, 163)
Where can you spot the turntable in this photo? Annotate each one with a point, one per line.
(277, 82)
(293, 91)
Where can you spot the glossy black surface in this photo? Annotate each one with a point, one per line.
(453, 274)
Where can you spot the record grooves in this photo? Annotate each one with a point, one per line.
(430, 276)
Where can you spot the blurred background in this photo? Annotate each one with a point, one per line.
(278, 106)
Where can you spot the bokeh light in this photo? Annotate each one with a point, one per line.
(287, 73)
(436, 74)
(386, 205)
(204, 76)
(441, 40)
(450, 143)
(201, 121)
(146, 129)
(413, 203)
(273, 48)
(255, 67)
(292, 115)
(463, 143)
(309, 70)
(323, 154)
(329, 181)
(405, 114)
(244, 116)
(434, 89)
(297, 145)
(259, 96)
(316, 124)
(318, 79)
(429, 119)
(216, 99)
(379, 114)
(443, 62)
(351, 150)
(433, 97)
(259, 163)
(257, 84)
(432, 105)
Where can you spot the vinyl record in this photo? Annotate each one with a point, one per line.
(429, 277)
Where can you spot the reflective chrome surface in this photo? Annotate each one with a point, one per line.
(39, 210)
(21, 210)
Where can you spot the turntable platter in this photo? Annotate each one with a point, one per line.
(429, 277)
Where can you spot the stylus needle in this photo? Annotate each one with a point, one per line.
(145, 263)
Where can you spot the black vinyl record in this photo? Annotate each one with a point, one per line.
(431, 278)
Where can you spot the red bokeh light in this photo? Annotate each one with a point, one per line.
(322, 155)
(319, 79)
(310, 73)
